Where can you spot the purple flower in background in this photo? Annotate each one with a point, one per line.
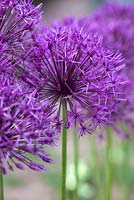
(26, 128)
(125, 113)
(115, 23)
(68, 66)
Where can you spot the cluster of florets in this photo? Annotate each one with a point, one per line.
(115, 23)
(26, 126)
(18, 21)
(71, 67)
(6, 64)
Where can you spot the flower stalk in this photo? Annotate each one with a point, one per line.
(127, 167)
(1, 186)
(96, 160)
(76, 165)
(64, 155)
(108, 165)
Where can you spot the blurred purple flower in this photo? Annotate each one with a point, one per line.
(123, 118)
(115, 23)
(71, 67)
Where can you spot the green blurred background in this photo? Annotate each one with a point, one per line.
(31, 185)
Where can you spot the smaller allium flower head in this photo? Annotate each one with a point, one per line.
(114, 22)
(25, 129)
(73, 68)
(18, 20)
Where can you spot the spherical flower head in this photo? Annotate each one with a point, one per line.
(114, 22)
(73, 68)
(25, 129)
(18, 20)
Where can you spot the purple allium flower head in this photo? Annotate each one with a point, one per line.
(71, 67)
(115, 22)
(25, 129)
(26, 126)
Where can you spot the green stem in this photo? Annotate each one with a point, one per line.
(127, 167)
(64, 155)
(108, 165)
(76, 164)
(1, 186)
(98, 178)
